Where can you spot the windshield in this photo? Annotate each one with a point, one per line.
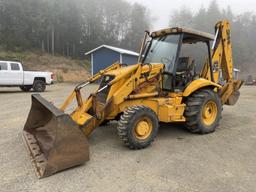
(163, 50)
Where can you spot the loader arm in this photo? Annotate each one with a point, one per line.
(222, 61)
(77, 91)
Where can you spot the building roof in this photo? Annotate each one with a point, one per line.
(176, 30)
(119, 50)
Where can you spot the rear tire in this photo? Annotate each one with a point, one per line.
(203, 111)
(138, 127)
(39, 86)
(26, 88)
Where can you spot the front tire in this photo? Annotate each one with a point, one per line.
(138, 127)
(203, 111)
(39, 86)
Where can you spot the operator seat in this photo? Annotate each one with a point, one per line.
(184, 65)
(184, 72)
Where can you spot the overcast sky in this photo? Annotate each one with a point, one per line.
(161, 9)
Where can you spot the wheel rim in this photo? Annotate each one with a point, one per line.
(143, 129)
(209, 113)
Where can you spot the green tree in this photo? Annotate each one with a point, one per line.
(182, 17)
(139, 22)
(69, 27)
(243, 27)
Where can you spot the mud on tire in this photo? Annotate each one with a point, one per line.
(196, 120)
(128, 124)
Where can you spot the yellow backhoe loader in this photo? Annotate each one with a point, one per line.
(169, 84)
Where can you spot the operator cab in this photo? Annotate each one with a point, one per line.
(183, 52)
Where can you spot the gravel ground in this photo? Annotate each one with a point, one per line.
(177, 160)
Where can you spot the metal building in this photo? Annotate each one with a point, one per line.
(104, 56)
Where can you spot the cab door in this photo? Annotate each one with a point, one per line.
(16, 74)
(4, 79)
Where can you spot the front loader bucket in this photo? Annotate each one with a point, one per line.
(53, 139)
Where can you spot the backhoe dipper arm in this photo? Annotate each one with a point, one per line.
(222, 59)
(222, 52)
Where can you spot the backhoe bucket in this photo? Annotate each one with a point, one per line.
(53, 139)
(232, 100)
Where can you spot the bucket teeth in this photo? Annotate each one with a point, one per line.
(37, 157)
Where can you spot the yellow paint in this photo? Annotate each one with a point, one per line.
(143, 95)
(228, 91)
(83, 118)
(209, 113)
(167, 109)
(198, 84)
(143, 129)
(222, 55)
(68, 101)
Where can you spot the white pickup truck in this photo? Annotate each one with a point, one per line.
(12, 75)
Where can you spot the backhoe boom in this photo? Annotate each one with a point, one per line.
(222, 61)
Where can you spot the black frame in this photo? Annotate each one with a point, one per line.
(177, 60)
(173, 73)
(210, 59)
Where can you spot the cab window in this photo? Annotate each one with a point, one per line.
(163, 50)
(3, 66)
(15, 67)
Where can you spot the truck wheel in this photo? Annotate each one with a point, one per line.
(138, 127)
(203, 111)
(26, 88)
(39, 86)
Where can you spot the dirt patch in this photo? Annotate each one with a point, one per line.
(65, 69)
(177, 161)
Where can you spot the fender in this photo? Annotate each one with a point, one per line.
(198, 84)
